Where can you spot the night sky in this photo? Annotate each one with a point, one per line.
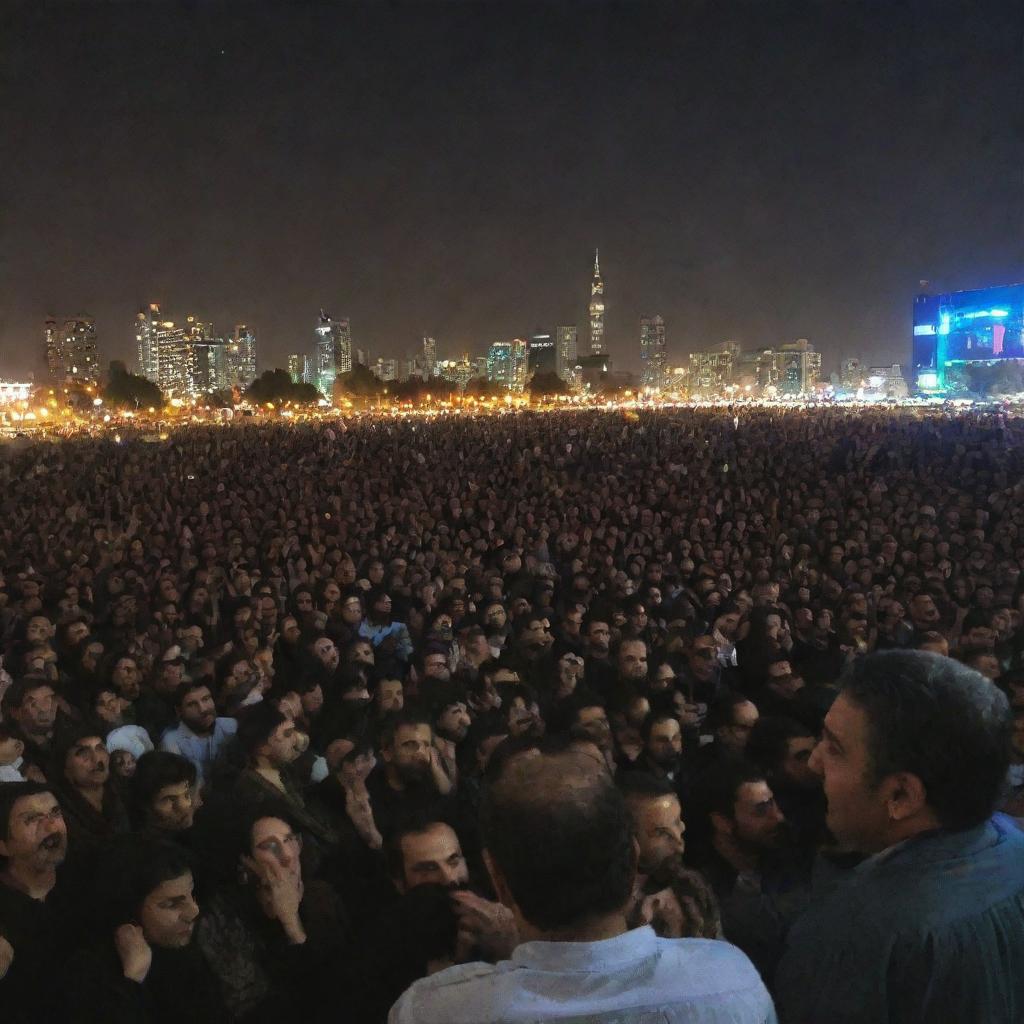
(754, 171)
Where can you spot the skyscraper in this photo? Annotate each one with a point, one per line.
(506, 364)
(429, 354)
(326, 367)
(71, 349)
(343, 360)
(597, 345)
(653, 354)
(241, 356)
(297, 368)
(541, 355)
(146, 324)
(174, 359)
(565, 350)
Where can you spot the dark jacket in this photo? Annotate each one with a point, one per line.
(929, 932)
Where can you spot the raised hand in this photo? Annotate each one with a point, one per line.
(135, 952)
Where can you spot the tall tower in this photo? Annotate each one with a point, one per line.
(597, 346)
(71, 349)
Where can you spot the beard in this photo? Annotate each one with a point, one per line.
(416, 775)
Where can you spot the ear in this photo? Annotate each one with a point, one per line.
(905, 796)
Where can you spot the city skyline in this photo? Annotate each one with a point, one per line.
(761, 173)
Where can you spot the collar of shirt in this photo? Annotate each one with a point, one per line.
(587, 957)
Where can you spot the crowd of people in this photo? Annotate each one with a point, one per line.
(729, 703)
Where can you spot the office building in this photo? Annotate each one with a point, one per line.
(851, 374)
(597, 339)
(712, 372)
(565, 351)
(797, 368)
(297, 368)
(429, 355)
(147, 323)
(71, 349)
(507, 364)
(386, 369)
(241, 356)
(541, 356)
(174, 359)
(653, 353)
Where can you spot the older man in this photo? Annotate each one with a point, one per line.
(930, 927)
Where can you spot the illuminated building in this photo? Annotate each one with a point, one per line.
(541, 356)
(797, 368)
(386, 369)
(455, 371)
(597, 343)
(241, 356)
(429, 355)
(851, 374)
(506, 364)
(297, 368)
(653, 353)
(146, 324)
(174, 358)
(565, 351)
(962, 329)
(71, 349)
(14, 391)
(712, 372)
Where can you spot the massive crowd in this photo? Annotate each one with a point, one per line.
(297, 717)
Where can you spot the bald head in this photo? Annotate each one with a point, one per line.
(558, 834)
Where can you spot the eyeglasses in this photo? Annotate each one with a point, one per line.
(276, 846)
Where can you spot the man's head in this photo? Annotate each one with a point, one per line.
(558, 843)
(269, 738)
(33, 835)
(914, 742)
(425, 853)
(631, 661)
(702, 658)
(406, 749)
(450, 712)
(597, 634)
(730, 720)
(663, 740)
(657, 822)
(163, 791)
(740, 807)
(194, 704)
(924, 613)
(782, 747)
(32, 704)
(82, 757)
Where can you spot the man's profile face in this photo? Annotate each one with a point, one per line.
(857, 814)
(735, 735)
(169, 912)
(283, 745)
(758, 822)
(37, 836)
(659, 832)
(390, 695)
(433, 856)
(795, 765)
(435, 666)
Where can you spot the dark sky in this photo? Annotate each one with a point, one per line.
(758, 171)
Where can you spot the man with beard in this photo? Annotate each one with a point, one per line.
(451, 724)
(93, 811)
(740, 844)
(661, 755)
(33, 899)
(657, 826)
(410, 779)
(201, 734)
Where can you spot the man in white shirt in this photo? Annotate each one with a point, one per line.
(560, 851)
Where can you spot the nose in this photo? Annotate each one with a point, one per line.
(814, 761)
(191, 910)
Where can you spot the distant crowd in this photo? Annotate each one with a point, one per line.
(691, 715)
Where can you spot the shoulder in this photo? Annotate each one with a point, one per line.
(699, 963)
(227, 726)
(439, 997)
